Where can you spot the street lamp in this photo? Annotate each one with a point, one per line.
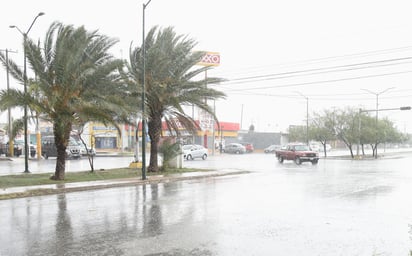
(307, 116)
(144, 97)
(26, 144)
(376, 117)
(221, 140)
(9, 121)
(371, 110)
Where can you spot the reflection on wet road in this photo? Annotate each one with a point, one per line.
(338, 207)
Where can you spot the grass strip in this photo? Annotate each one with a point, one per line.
(32, 179)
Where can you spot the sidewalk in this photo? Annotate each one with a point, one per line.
(17, 192)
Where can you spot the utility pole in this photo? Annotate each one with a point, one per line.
(144, 97)
(376, 117)
(241, 117)
(359, 133)
(307, 116)
(9, 121)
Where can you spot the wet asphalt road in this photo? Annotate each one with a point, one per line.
(339, 207)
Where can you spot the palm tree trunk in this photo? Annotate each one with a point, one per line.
(60, 170)
(155, 130)
(61, 138)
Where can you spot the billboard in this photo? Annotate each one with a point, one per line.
(210, 59)
(205, 120)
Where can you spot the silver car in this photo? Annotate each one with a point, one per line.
(235, 148)
(193, 151)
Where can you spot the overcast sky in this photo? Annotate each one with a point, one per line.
(275, 54)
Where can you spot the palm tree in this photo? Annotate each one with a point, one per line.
(76, 82)
(170, 84)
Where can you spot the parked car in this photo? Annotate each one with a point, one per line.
(89, 151)
(49, 148)
(272, 149)
(235, 148)
(86, 151)
(20, 144)
(319, 147)
(249, 147)
(193, 151)
(4, 149)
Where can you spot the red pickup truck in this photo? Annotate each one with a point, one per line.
(299, 153)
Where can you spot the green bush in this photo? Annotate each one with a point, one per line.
(169, 151)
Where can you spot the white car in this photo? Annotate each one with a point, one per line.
(193, 151)
(319, 147)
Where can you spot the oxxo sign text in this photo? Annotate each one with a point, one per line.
(210, 59)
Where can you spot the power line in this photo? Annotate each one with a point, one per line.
(321, 81)
(291, 74)
(329, 59)
(326, 97)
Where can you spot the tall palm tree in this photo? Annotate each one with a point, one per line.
(77, 81)
(170, 83)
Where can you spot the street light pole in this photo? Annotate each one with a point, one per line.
(144, 97)
(372, 110)
(221, 140)
(307, 116)
(9, 121)
(376, 117)
(359, 133)
(26, 143)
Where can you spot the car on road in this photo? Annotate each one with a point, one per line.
(235, 148)
(193, 151)
(298, 153)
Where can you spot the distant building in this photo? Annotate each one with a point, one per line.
(103, 137)
(261, 140)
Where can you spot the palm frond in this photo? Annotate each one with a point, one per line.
(14, 69)
(170, 81)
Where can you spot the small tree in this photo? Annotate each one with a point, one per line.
(90, 157)
(321, 129)
(346, 127)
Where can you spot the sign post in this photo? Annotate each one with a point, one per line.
(210, 59)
